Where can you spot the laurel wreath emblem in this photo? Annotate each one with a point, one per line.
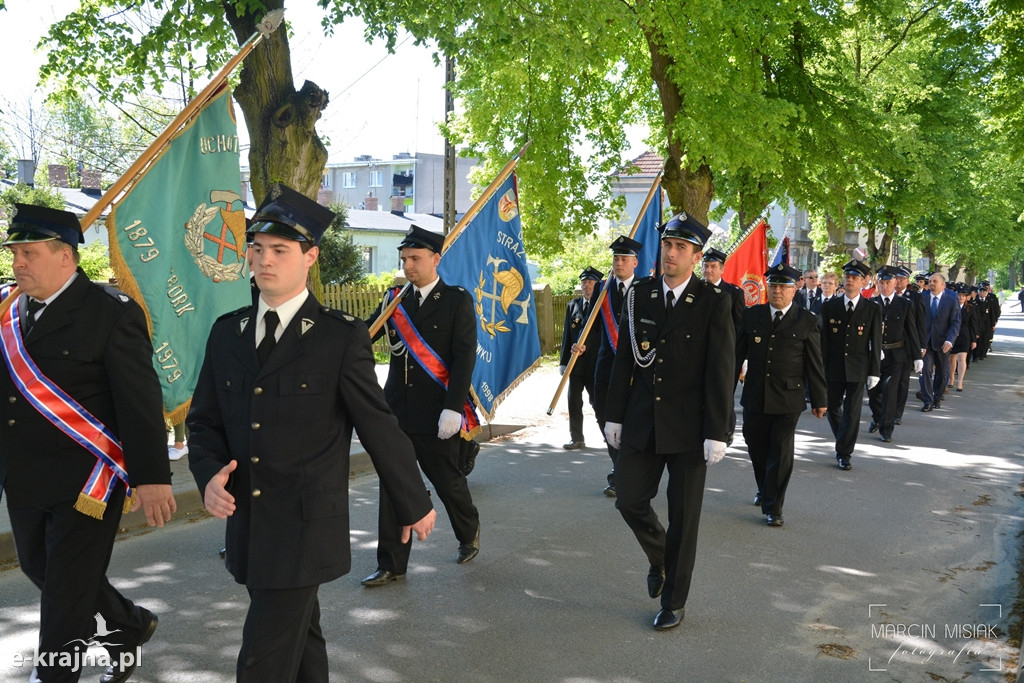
(208, 266)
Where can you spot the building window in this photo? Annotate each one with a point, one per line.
(325, 182)
(376, 178)
(348, 179)
(368, 260)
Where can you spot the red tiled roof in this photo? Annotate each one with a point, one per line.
(647, 164)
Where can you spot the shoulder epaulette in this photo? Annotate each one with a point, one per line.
(115, 293)
(234, 312)
(644, 280)
(339, 315)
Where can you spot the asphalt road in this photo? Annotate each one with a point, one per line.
(903, 569)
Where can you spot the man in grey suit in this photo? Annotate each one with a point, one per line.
(942, 325)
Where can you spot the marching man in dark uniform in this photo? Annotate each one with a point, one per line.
(83, 420)
(712, 264)
(904, 291)
(851, 338)
(782, 346)
(582, 376)
(668, 407)
(900, 348)
(624, 251)
(988, 315)
(283, 384)
(435, 321)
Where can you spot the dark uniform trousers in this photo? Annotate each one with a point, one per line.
(281, 637)
(73, 591)
(665, 423)
(849, 347)
(784, 365)
(917, 306)
(582, 375)
(603, 369)
(447, 323)
(91, 341)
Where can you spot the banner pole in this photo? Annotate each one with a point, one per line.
(596, 308)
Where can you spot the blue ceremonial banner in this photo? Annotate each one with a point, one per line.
(488, 259)
(647, 234)
(781, 254)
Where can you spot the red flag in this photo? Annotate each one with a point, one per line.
(747, 263)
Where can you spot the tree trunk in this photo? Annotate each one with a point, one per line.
(283, 144)
(689, 188)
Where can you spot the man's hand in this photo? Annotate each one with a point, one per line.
(713, 451)
(448, 424)
(974, 345)
(157, 501)
(422, 527)
(946, 346)
(918, 365)
(613, 434)
(579, 349)
(872, 381)
(819, 412)
(216, 498)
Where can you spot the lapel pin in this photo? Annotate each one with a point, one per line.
(307, 325)
(242, 324)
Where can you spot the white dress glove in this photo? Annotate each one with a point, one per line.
(872, 381)
(561, 370)
(613, 434)
(918, 365)
(882, 354)
(448, 424)
(713, 451)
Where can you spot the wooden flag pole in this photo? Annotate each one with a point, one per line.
(266, 27)
(595, 310)
(454, 233)
(269, 24)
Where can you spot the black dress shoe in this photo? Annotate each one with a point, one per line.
(115, 674)
(899, 420)
(381, 577)
(844, 464)
(927, 408)
(774, 520)
(757, 498)
(937, 405)
(920, 396)
(467, 551)
(574, 445)
(667, 619)
(609, 490)
(467, 455)
(873, 427)
(886, 438)
(655, 581)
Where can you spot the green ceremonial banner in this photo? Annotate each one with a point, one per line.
(177, 246)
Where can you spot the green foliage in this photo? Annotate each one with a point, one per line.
(94, 259)
(381, 279)
(340, 260)
(562, 272)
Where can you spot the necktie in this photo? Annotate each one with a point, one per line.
(935, 305)
(885, 305)
(29, 322)
(622, 290)
(849, 307)
(270, 322)
(777, 319)
(670, 299)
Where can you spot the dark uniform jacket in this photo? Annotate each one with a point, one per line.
(574, 322)
(447, 323)
(809, 299)
(899, 331)
(737, 301)
(850, 342)
(289, 426)
(970, 328)
(93, 343)
(685, 393)
(783, 362)
(920, 317)
(606, 354)
(988, 313)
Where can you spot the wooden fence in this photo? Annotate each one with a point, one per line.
(362, 300)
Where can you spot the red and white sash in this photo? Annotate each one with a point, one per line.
(67, 415)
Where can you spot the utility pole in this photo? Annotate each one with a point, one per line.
(449, 148)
